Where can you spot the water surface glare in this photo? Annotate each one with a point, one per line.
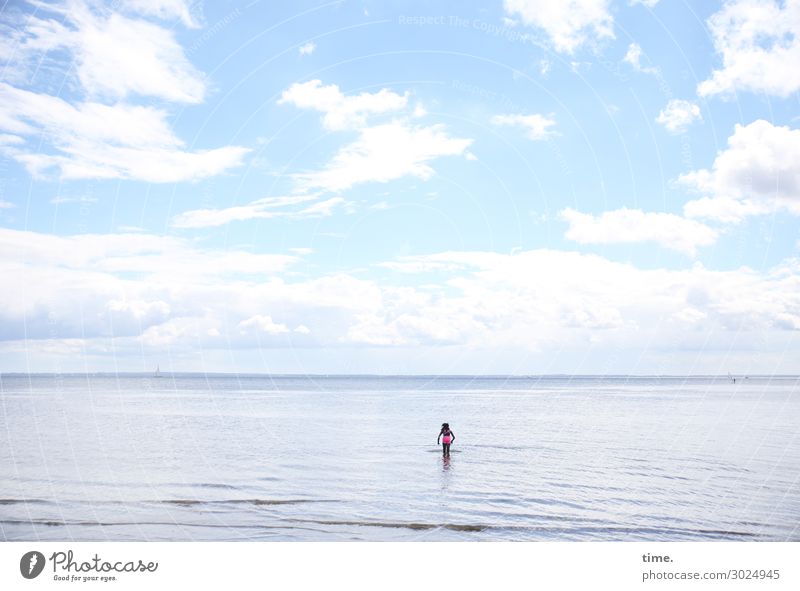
(192, 457)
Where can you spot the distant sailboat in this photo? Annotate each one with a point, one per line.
(158, 372)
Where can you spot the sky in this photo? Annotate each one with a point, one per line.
(495, 187)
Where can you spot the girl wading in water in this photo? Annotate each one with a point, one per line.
(447, 437)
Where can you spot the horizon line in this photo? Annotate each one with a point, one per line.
(164, 374)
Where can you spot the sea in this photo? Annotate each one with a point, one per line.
(185, 457)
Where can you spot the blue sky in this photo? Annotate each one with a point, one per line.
(525, 187)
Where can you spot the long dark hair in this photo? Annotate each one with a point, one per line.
(445, 426)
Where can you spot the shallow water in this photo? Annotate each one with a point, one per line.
(355, 458)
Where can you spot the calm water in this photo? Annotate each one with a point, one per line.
(257, 458)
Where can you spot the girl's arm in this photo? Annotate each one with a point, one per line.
(453, 435)
(438, 438)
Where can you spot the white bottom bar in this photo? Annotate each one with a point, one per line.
(389, 566)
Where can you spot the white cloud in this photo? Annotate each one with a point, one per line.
(151, 165)
(268, 207)
(634, 57)
(7, 139)
(112, 55)
(542, 299)
(301, 250)
(118, 284)
(648, 3)
(536, 126)
(725, 209)
(307, 48)
(678, 115)
(165, 9)
(381, 152)
(120, 124)
(633, 225)
(759, 41)
(146, 254)
(569, 23)
(322, 208)
(144, 292)
(757, 173)
(384, 153)
(264, 324)
(341, 111)
(544, 66)
(26, 40)
(115, 59)
(93, 140)
(119, 56)
(6, 204)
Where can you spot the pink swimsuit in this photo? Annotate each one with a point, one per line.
(447, 439)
